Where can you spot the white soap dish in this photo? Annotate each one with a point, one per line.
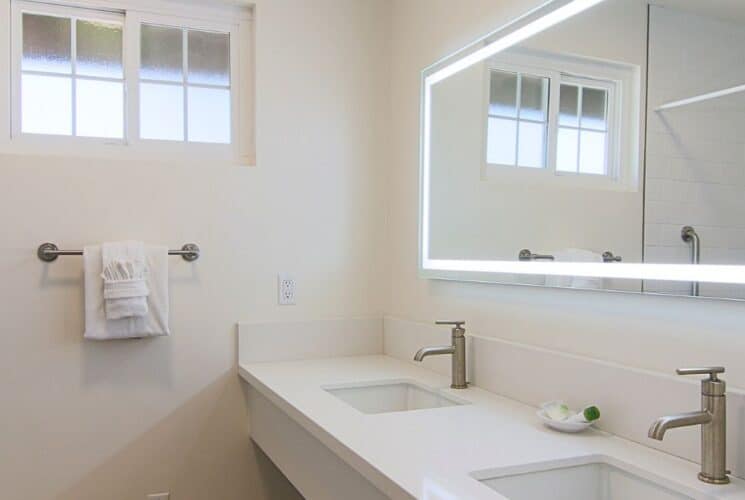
(561, 425)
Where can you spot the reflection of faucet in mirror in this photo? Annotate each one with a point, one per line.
(689, 235)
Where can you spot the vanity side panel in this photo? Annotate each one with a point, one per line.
(312, 468)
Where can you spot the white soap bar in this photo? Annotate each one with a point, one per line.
(557, 410)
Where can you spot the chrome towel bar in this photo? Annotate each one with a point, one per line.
(48, 252)
(526, 254)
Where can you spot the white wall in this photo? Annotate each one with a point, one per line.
(696, 154)
(83, 420)
(657, 333)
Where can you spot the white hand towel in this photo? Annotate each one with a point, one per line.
(124, 275)
(154, 323)
(576, 255)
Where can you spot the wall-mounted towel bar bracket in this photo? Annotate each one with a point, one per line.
(49, 252)
(610, 257)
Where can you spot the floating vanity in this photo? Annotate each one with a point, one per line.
(377, 427)
(366, 425)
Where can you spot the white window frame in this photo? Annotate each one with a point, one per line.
(20, 7)
(135, 22)
(490, 170)
(236, 21)
(522, 71)
(622, 148)
(612, 154)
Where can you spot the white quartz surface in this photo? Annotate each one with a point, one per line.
(431, 454)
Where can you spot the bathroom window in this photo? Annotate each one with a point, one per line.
(583, 135)
(518, 119)
(72, 75)
(550, 126)
(152, 83)
(184, 85)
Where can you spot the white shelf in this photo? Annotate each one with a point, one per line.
(703, 97)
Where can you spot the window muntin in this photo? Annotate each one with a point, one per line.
(185, 85)
(517, 119)
(582, 145)
(72, 80)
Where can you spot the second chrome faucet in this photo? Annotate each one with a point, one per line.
(713, 421)
(457, 349)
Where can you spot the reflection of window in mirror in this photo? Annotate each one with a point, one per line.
(552, 122)
(518, 111)
(582, 144)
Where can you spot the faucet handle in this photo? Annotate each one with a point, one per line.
(711, 372)
(457, 324)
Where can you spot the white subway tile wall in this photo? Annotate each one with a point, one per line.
(695, 154)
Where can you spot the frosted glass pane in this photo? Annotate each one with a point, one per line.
(162, 53)
(99, 49)
(100, 109)
(161, 112)
(532, 149)
(503, 94)
(534, 98)
(566, 150)
(593, 108)
(592, 153)
(46, 44)
(501, 146)
(568, 105)
(46, 105)
(209, 58)
(209, 115)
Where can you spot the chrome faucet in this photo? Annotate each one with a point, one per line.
(457, 349)
(713, 421)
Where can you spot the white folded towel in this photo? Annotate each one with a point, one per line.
(576, 255)
(124, 273)
(153, 323)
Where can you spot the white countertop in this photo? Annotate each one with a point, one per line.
(431, 453)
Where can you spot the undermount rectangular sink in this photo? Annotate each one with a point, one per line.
(392, 396)
(596, 480)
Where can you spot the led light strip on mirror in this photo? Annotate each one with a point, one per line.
(545, 16)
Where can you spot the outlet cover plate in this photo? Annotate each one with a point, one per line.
(286, 289)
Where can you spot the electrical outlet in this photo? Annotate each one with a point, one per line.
(159, 496)
(286, 289)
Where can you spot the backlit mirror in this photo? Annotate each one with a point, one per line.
(592, 144)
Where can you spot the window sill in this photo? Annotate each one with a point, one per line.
(85, 148)
(545, 177)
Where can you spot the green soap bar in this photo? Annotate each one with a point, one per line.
(591, 413)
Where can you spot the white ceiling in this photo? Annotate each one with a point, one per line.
(728, 10)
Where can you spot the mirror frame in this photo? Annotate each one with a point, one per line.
(543, 17)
